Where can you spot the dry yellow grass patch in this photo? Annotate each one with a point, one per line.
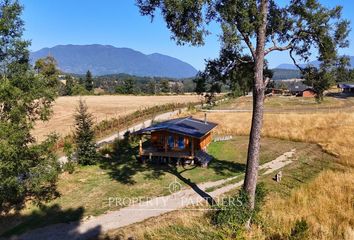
(326, 203)
(102, 107)
(333, 131)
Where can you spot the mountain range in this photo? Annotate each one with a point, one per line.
(107, 59)
(313, 63)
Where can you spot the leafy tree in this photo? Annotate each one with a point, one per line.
(128, 86)
(88, 81)
(165, 86)
(257, 28)
(27, 169)
(47, 66)
(120, 89)
(319, 79)
(237, 75)
(80, 90)
(152, 87)
(177, 87)
(342, 70)
(84, 135)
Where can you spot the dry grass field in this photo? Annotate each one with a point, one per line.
(290, 103)
(327, 203)
(102, 107)
(325, 200)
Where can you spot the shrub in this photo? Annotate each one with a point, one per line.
(69, 166)
(234, 212)
(300, 230)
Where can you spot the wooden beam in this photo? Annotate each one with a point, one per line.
(140, 146)
(192, 147)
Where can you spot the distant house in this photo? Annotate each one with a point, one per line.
(346, 87)
(309, 92)
(302, 90)
(181, 140)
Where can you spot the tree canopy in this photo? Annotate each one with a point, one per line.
(26, 167)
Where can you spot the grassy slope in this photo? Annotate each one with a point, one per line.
(86, 192)
(308, 164)
(316, 188)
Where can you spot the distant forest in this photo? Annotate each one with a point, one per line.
(283, 74)
(129, 84)
(74, 84)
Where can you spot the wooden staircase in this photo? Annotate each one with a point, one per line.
(203, 158)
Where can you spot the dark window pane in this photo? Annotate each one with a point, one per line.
(181, 142)
(171, 141)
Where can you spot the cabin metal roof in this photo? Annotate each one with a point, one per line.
(345, 85)
(186, 126)
(299, 87)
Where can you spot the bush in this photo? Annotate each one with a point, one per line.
(300, 230)
(234, 212)
(69, 166)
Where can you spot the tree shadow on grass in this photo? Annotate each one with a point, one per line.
(225, 168)
(123, 164)
(63, 224)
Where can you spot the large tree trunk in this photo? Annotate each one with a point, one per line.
(257, 116)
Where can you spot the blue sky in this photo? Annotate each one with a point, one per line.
(118, 23)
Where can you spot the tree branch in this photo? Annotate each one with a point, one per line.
(294, 61)
(275, 47)
(248, 43)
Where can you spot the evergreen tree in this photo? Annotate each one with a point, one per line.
(27, 169)
(89, 81)
(84, 135)
(69, 85)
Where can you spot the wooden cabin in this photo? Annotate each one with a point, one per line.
(181, 139)
(309, 93)
(346, 87)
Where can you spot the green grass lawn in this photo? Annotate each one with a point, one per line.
(87, 190)
(308, 162)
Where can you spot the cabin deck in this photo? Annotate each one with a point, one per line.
(154, 152)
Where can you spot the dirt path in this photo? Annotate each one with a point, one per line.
(180, 198)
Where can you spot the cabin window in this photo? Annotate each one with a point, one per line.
(161, 140)
(181, 144)
(171, 141)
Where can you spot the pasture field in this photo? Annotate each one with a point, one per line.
(85, 192)
(318, 190)
(102, 107)
(290, 103)
(317, 186)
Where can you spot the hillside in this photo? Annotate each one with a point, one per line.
(284, 73)
(313, 63)
(106, 59)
